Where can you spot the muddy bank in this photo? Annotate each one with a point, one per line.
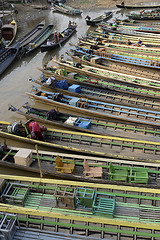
(99, 4)
(81, 4)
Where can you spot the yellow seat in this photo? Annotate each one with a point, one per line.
(64, 167)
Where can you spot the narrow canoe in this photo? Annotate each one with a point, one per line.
(47, 159)
(67, 33)
(85, 68)
(42, 201)
(115, 65)
(118, 84)
(136, 6)
(144, 17)
(38, 40)
(97, 109)
(140, 130)
(104, 17)
(66, 9)
(31, 35)
(8, 57)
(89, 144)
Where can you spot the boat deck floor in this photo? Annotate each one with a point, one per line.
(34, 234)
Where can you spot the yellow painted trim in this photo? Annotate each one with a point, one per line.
(15, 24)
(47, 144)
(81, 184)
(76, 217)
(105, 137)
(3, 122)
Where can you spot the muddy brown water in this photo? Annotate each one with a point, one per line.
(15, 80)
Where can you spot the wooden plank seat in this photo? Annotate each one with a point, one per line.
(138, 175)
(65, 166)
(92, 172)
(104, 204)
(118, 173)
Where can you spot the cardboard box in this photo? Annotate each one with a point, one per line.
(24, 157)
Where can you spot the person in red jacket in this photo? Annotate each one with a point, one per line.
(35, 131)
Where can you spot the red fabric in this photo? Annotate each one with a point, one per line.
(37, 130)
(36, 126)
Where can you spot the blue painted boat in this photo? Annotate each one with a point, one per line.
(117, 58)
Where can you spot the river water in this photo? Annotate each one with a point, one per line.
(15, 80)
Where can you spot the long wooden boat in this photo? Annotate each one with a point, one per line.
(148, 63)
(89, 144)
(152, 17)
(89, 209)
(114, 49)
(118, 85)
(9, 32)
(97, 109)
(104, 17)
(66, 34)
(136, 6)
(97, 93)
(131, 49)
(116, 65)
(62, 8)
(141, 29)
(118, 41)
(31, 34)
(137, 59)
(41, 161)
(128, 31)
(105, 74)
(90, 125)
(148, 41)
(7, 57)
(38, 40)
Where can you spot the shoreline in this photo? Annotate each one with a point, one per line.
(102, 4)
(83, 4)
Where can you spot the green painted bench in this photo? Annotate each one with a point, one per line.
(104, 204)
(138, 175)
(118, 173)
(15, 193)
(84, 197)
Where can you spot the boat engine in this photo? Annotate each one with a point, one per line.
(13, 128)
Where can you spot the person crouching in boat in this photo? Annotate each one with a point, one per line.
(72, 25)
(49, 43)
(55, 37)
(139, 43)
(128, 42)
(88, 18)
(35, 131)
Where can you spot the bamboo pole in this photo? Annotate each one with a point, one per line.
(40, 169)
